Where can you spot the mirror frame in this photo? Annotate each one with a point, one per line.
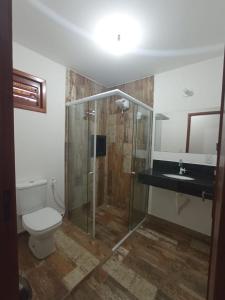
(190, 115)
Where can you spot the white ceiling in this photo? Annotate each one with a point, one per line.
(175, 33)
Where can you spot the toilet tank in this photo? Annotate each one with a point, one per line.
(31, 195)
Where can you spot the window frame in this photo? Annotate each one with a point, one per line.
(33, 81)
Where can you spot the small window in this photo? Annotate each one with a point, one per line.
(29, 92)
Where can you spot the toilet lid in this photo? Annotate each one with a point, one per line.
(42, 219)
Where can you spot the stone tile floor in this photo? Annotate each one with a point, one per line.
(54, 277)
(111, 223)
(159, 261)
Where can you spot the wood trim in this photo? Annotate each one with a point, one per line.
(8, 233)
(216, 286)
(36, 82)
(190, 115)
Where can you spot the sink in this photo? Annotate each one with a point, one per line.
(178, 177)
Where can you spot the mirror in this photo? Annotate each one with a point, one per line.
(182, 132)
(202, 132)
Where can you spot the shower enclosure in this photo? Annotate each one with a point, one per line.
(109, 144)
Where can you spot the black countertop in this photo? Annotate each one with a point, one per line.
(201, 186)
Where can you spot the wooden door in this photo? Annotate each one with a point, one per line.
(216, 287)
(8, 237)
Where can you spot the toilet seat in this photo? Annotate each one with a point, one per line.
(42, 219)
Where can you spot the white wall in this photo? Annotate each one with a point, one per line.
(39, 138)
(196, 215)
(205, 79)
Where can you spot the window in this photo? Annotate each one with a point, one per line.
(29, 92)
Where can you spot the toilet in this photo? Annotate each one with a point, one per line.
(38, 220)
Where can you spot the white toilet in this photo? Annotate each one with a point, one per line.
(41, 222)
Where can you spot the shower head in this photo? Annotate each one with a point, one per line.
(89, 114)
(123, 104)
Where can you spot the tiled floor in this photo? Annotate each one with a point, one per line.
(76, 256)
(159, 262)
(111, 223)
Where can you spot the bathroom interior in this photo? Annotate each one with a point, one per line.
(115, 147)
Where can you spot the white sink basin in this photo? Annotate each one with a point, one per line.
(178, 176)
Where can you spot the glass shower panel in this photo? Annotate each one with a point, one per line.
(141, 161)
(113, 168)
(109, 143)
(81, 120)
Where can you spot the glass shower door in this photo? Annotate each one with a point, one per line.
(141, 161)
(80, 173)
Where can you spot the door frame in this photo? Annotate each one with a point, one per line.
(216, 286)
(8, 233)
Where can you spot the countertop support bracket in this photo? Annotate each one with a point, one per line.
(180, 206)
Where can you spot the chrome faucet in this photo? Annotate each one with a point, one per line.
(182, 170)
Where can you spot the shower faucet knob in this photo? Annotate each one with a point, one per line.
(133, 173)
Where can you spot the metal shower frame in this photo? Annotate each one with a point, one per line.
(104, 96)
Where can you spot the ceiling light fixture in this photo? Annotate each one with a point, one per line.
(118, 34)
